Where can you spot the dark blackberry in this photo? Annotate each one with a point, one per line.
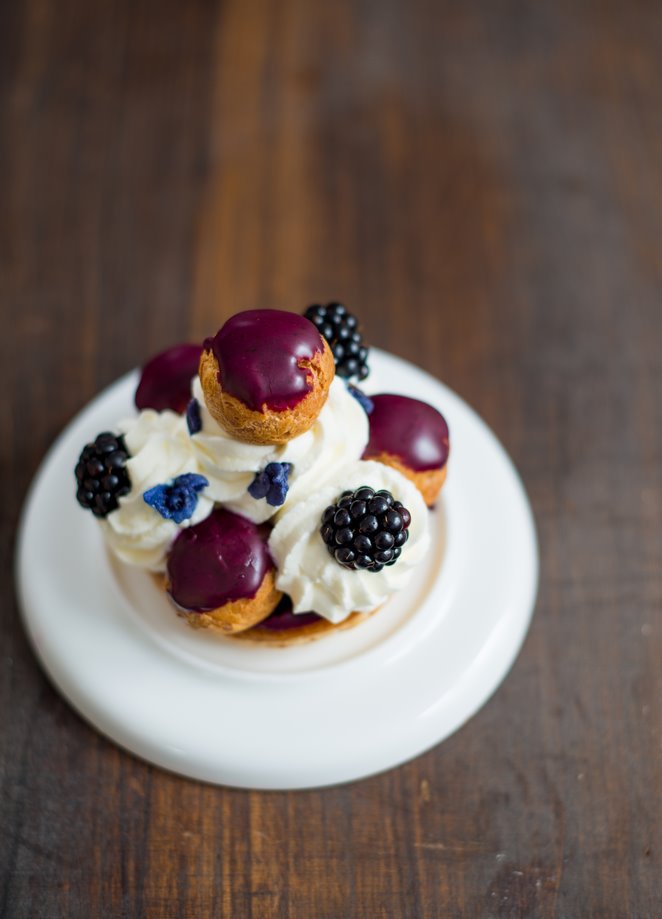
(341, 330)
(101, 474)
(365, 529)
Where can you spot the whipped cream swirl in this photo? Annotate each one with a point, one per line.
(312, 577)
(338, 436)
(160, 449)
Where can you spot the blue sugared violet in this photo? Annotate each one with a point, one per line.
(271, 484)
(178, 499)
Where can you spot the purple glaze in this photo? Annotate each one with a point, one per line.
(283, 618)
(165, 381)
(413, 431)
(258, 354)
(223, 558)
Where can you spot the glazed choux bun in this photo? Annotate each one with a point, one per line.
(220, 574)
(412, 437)
(266, 375)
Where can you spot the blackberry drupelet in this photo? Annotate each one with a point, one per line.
(101, 474)
(340, 328)
(365, 529)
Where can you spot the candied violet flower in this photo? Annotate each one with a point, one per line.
(364, 401)
(193, 419)
(271, 483)
(178, 499)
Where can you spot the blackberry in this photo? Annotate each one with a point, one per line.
(101, 474)
(365, 529)
(341, 330)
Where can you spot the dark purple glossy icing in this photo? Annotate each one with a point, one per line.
(283, 618)
(413, 431)
(165, 381)
(258, 353)
(223, 558)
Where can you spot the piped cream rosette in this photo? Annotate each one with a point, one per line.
(309, 573)
(338, 436)
(160, 450)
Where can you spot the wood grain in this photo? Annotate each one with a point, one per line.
(482, 183)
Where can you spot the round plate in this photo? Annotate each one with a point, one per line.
(239, 713)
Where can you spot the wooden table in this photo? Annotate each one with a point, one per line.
(483, 184)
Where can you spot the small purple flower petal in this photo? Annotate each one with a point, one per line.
(271, 483)
(192, 480)
(193, 419)
(364, 401)
(260, 485)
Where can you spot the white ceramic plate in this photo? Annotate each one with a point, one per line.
(236, 713)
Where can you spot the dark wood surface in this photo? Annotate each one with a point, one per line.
(483, 184)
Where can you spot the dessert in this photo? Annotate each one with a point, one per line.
(412, 437)
(265, 375)
(272, 499)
